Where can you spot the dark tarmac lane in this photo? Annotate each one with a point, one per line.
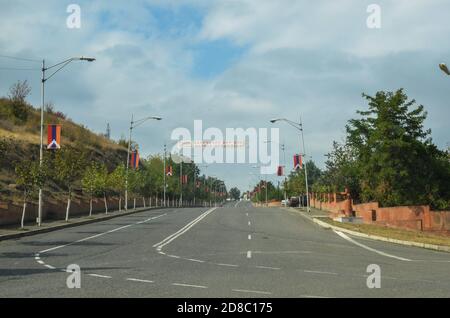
(231, 251)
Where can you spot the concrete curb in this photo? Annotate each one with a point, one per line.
(68, 225)
(323, 224)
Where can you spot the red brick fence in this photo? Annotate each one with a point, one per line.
(408, 217)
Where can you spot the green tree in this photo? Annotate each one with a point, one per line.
(397, 162)
(18, 93)
(341, 171)
(116, 182)
(29, 177)
(94, 182)
(235, 193)
(103, 183)
(69, 165)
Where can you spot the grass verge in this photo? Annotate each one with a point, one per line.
(399, 234)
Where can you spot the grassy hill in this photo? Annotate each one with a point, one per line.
(20, 138)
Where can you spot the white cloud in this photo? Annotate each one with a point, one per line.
(308, 58)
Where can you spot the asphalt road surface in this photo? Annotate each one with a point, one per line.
(230, 251)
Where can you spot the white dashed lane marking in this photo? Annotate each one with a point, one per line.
(251, 291)
(139, 280)
(268, 267)
(320, 272)
(188, 285)
(99, 276)
(227, 265)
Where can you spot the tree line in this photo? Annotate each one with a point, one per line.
(387, 156)
(71, 169)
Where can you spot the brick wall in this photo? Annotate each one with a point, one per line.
(407, 217)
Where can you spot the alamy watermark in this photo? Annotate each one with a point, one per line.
(73, 21)
(234, 145)
(374, 279)
(374, 19)
(74, 278)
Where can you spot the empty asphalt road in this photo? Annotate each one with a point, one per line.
(231, 251)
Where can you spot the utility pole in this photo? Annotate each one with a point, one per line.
(308, 208)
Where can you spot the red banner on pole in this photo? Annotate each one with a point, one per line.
(298, 164)
(135, 159)
(169, 171)
(280, 171)
(53, 137)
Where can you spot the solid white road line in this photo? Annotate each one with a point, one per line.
(181, 231)
(99, 276)
(49, 266)
(188, 285)
(370, 248)
(251, 291)
(100, 234)
(140, 280)
(249, 254)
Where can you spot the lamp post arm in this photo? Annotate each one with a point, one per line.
(139, 122)
(62, 65)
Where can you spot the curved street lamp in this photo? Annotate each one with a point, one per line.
(134, 124)
(298, 126)
(444, 68)
(59, 66)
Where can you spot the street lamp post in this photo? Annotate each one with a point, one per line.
(259, 186)
(284, 162)
(299, 126)
(444, 68)
(44, 79)
(133, 125)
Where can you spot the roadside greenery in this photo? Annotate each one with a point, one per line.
(29, 177)
(386, 156)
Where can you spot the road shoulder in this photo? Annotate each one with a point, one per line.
(317, 219)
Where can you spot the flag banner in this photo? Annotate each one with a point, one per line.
(280, 171)
(169, 171)
(135, 159)
(53, 137)
(184, 179)
(298, 164)
(198, 184)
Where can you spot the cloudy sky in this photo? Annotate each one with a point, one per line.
(230, 63)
